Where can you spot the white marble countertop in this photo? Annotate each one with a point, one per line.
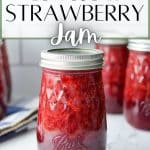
(120, 136)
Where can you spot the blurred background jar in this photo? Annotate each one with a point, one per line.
(3, 85)
(6, 70)
(115, 61)
(72, 105)
(137, 88)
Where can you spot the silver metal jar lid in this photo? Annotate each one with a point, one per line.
(139, 45)
(72, 59)
(114, 41)
(110, 38)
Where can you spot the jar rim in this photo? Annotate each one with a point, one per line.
(139, 45)
(72, 59)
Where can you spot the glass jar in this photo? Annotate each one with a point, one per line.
(3, 88)
(6, 70)
(72, 109)
(115, 61)
(137, 88)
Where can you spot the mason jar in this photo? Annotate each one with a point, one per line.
(137, 88)
(115, 61)
(6, 70)
(3, 86)
(72, 105)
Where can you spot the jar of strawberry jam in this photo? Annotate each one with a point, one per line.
(3, 87)
(115, 61)
(71, 112)
(6, 70)
(137, 88)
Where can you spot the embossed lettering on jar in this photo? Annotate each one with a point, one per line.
(71, 111)
(137, 89)
(115, 61)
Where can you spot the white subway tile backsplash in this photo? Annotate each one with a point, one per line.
(14, 49)
(25, 81)
(31, 50)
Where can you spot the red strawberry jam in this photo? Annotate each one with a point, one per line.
(3, 88)
(115, 61)
(6, 70)
(137, 89)
(72, 109)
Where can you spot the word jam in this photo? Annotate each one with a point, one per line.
(80, 13)
(70, 36)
